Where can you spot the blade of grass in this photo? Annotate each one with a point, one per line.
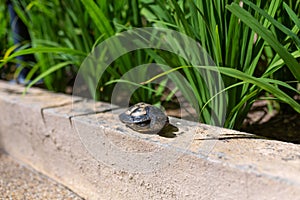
(248, 19)
(42, 50)
(46, 73)
(139, 85)
(102, 23)
(280, 26)
(259, 82)
(292, 15)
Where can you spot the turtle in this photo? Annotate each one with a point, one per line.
(144, 118)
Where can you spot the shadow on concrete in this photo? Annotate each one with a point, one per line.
(168, 131)
(235, 136)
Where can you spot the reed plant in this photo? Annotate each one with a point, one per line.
(250, 42)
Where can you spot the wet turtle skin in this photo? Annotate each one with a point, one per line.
(144, 118)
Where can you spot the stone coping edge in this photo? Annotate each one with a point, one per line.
(83, 146)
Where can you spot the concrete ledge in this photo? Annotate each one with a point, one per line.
(68, 141)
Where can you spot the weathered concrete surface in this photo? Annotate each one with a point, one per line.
(87, 149)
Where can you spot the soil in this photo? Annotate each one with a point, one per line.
(283, 125)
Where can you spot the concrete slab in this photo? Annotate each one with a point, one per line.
(99, 158)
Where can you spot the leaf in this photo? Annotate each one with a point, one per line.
(46, 73)
(292, 15)
(280, 26)
(249, 20)
(42, 50)
(102, 23)
(262, 83)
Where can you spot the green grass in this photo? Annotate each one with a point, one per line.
(227, 32)
(252, 47)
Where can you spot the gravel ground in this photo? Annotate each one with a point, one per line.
(21, 182)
